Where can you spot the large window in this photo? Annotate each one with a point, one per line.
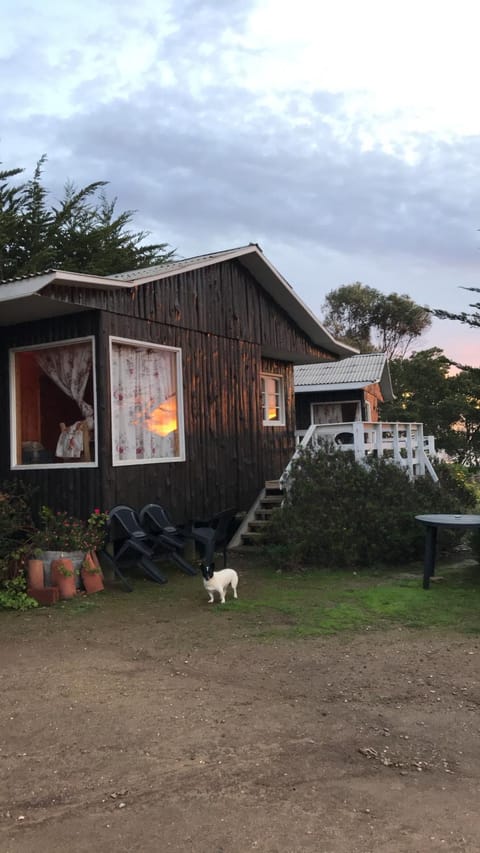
(273, 400)
(53, 404)
(147, 404)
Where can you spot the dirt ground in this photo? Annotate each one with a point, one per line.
(156, 722)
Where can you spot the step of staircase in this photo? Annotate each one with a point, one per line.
(272, 500)
(264, 513)
(251, 531)
(273, 486)
(257, 525)
(252, 538)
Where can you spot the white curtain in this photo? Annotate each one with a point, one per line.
(70, 367)
(145, 424)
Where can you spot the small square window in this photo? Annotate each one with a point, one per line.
(273, 400)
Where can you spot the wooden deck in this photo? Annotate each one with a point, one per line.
(403, 443)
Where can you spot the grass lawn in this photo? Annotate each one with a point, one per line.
(314, 603)
(274, 604)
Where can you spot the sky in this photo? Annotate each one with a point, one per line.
(342, 137)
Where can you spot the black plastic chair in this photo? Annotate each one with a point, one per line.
(213, 534)
(132, 544)
(156, 522)
(156, 519)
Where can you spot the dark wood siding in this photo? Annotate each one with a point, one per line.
(223, 300)
(225, 325)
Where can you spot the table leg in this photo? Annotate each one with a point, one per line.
(429, 560)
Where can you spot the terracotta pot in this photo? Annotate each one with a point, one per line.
(48, 557)
(48, 595)
(95, 560)
(91, 573)
(65, 583)
(36, 578)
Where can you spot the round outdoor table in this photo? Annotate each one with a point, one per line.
(432, 523)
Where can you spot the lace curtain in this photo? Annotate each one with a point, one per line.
(144, 403)
(70, 367)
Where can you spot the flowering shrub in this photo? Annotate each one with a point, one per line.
(60, 531)
(95, 530)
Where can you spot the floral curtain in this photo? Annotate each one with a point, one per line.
(145, 417)
(70, 367)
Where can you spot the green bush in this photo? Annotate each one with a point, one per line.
(16, 531)
(14, 596)
(16, 524)
(339, 513)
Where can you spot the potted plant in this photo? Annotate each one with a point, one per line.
(35, 570)
(63, 575)
(61, 536)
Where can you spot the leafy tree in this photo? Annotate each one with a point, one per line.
(420, 385)
(356, 312)
(82, 233)
(466, 385)
(466, 388)
(448, 405)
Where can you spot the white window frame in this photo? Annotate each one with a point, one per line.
(280, 421)
(57, 466)
(114, 339)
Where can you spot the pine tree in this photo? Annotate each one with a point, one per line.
(83, 233)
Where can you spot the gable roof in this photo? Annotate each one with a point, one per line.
(356, 372)
(21, 300)
(252, 258)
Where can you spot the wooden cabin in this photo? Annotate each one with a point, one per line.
(343, 391)
(339, 402)
(171, 383)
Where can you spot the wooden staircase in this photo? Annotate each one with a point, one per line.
(250, 531)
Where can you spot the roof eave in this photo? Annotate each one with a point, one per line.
(23, 301)
(331, 386)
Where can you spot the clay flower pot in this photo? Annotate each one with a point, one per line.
(63, 576)
(91, 573)
(35, 574)
(48, 558)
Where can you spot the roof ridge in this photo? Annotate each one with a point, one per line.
(176, 262)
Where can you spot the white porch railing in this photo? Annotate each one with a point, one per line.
(403, 443)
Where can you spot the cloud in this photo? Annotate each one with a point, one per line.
(221, 124)
(195, 162)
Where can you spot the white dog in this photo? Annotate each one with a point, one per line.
(219, 582)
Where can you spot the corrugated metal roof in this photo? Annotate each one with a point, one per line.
(345, 386)
(365, 369)
(149, 272)
(27, 275)
(358, 371)
(172, 267)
